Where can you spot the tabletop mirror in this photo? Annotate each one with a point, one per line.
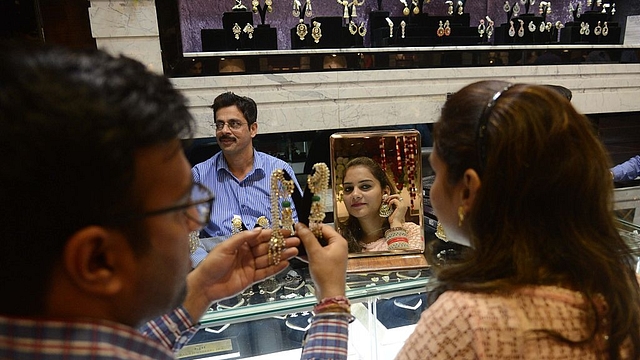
(377, 192)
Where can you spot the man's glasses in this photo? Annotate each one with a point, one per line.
(197, 209)
(232, 124)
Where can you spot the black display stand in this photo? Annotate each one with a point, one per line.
(213, 39)
(229, 19)
(296, 43)
(571, 32)
(530, 37)
(331, 27)
(421, 30)
(265, 38)
(334, 35)
(349, 40)
(377, 23)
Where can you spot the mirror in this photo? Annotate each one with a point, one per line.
(377, 191)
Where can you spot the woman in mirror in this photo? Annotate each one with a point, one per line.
(376, 219)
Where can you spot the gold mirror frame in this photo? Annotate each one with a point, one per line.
(385, 148)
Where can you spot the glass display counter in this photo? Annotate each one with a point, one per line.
(269, 320)
(271, 317)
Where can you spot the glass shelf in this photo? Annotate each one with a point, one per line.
(312, 60)
(360, 288)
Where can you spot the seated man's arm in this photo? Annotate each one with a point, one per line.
(628, 170)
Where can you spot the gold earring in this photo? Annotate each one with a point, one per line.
(460, 215)
(385, 210)
(440, 233)
(236, 224)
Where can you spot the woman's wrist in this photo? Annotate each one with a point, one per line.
(332, 291)
(395, 224)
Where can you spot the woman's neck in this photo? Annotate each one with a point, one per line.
(372, 229)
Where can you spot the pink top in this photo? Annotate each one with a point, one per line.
(463, 325)
(414, 233)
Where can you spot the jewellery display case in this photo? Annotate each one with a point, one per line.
(271, 317)
(268, 320)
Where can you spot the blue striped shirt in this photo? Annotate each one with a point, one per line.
(249, 198)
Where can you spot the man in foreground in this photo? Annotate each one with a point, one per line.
(97, 205)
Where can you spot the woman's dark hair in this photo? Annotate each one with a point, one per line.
(543, 214)
(350, 228)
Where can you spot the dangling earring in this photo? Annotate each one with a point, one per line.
(440, 233)
(296, 8)
(308, 12)
(385, 210)
(460, 215)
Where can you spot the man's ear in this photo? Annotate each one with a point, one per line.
(253, 129)
(91, 259)
(470, 184)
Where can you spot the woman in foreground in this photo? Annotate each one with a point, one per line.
(523, 180)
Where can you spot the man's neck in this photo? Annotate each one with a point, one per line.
(240, 164)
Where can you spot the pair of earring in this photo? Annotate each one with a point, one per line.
(443, 30)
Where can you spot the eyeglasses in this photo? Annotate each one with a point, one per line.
(197, 209)
(232, 124)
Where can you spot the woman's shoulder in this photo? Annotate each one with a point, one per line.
(535, 301)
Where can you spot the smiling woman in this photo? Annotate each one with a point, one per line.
(377, 203)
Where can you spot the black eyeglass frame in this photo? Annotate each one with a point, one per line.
(184, 207)
(228, 124)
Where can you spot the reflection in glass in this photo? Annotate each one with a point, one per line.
(378, 192)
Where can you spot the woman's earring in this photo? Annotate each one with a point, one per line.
(385, 210)
(440, 233)
(460, 215)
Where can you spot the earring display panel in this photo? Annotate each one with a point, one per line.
(377, 182)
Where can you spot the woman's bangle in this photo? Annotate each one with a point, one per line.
(395, 232)
(397, 238)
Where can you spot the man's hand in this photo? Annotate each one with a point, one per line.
(328, 264)
(231, 267)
